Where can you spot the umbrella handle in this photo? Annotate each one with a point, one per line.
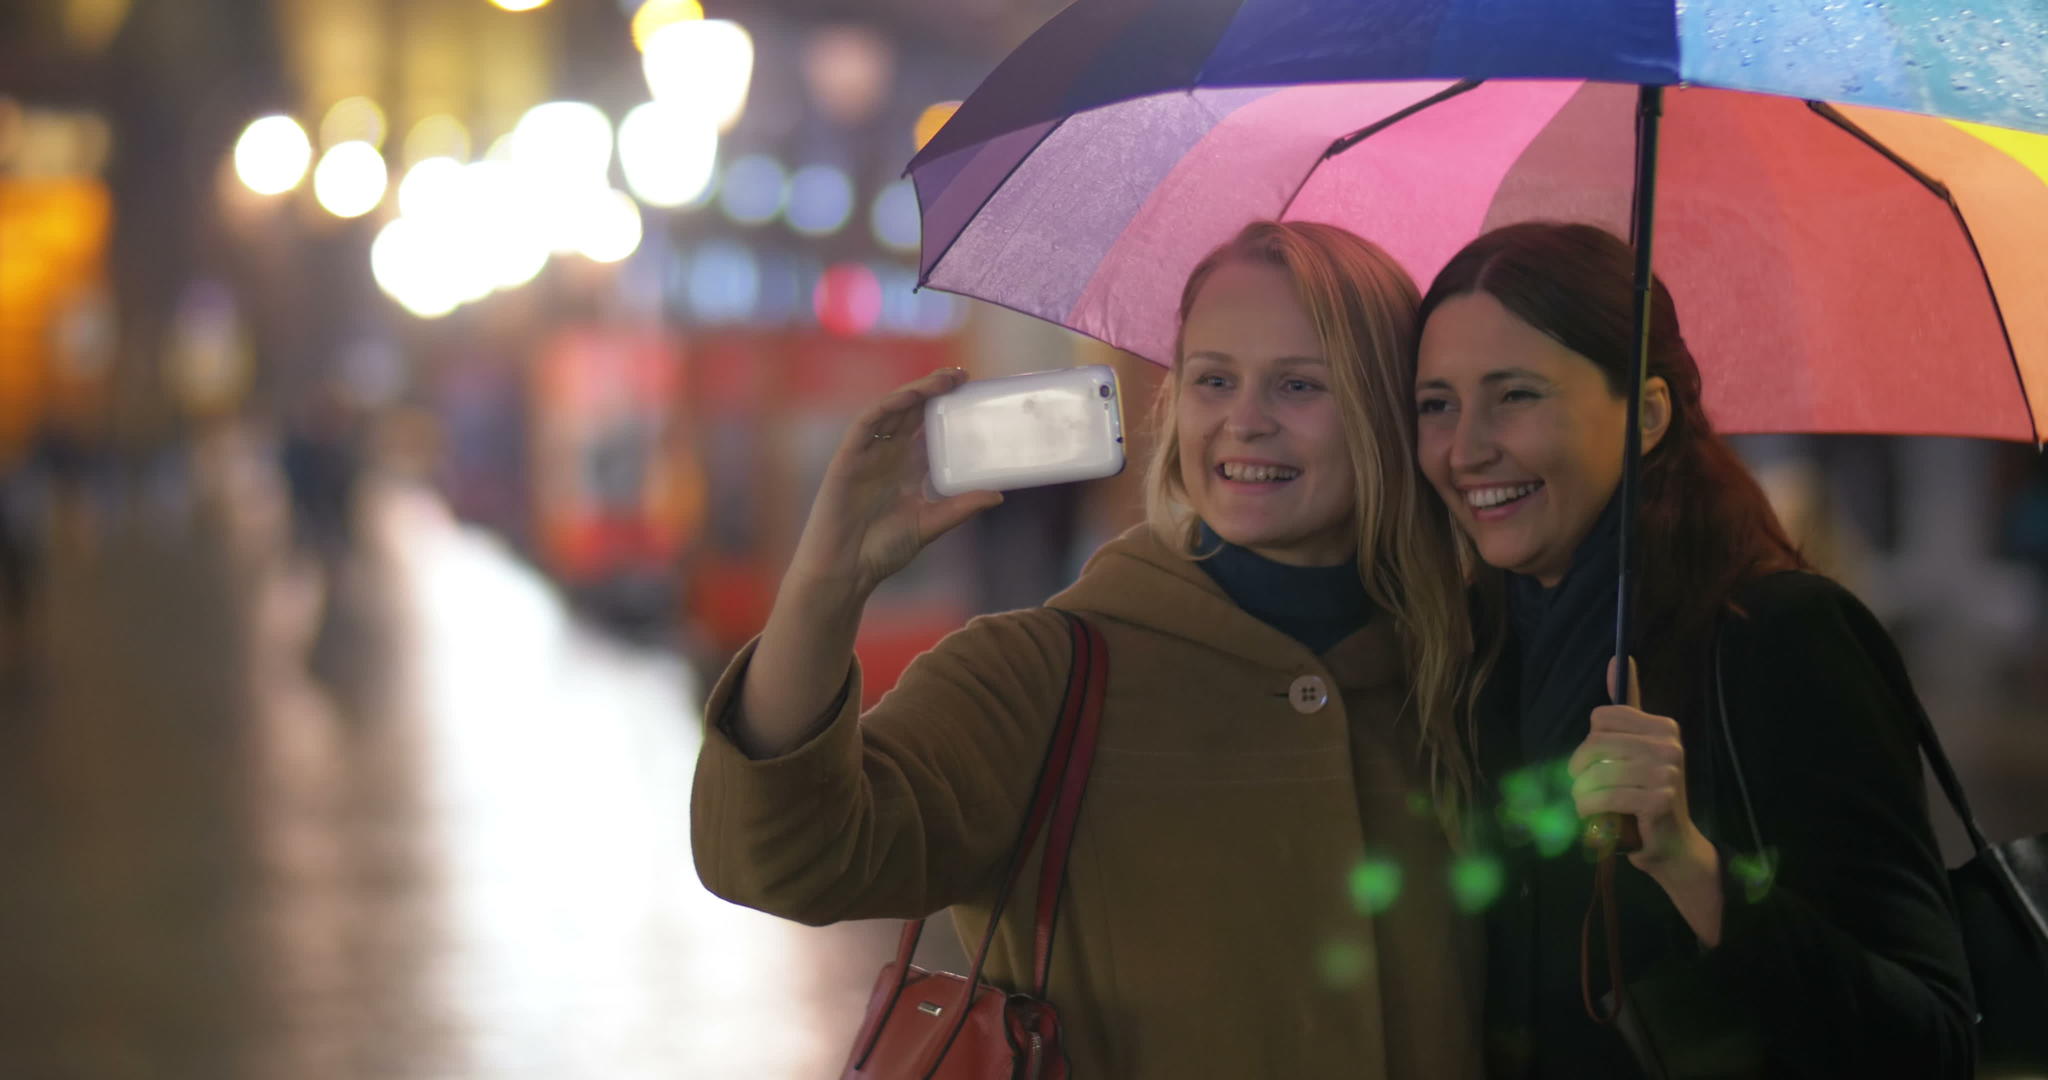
(1606, 833)
(1613, 832)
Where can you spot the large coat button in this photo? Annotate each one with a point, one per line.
(1308, 694)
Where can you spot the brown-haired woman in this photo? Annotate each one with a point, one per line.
(1832, 953)
(1209, 927)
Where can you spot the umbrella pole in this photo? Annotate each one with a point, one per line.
(1649, 113)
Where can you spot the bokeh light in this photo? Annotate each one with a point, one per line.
(1537, 808)
(1344, 963)
(1476, 882)
(848, 300)
(667, 154)
(431, 188)
(350, 179)
(563, 146)
(608, 227)
(753, 190)
(439, 135)
(407, 266)
(520, 5)
(820, 200)
(272, 155)
(1375, 884)
(1756, 872)
(937, 314)
(655, 14)
(789, 286)
(355, 119)
(466, 231)
(704, 65)
(848, 70)
(894, 217)
(724, 283)
(930, 121)
(906, 309)
(1554, 827)
(500, 227)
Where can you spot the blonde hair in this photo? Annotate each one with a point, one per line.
(1363, 306)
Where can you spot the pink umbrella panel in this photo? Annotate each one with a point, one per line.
(1837, 269)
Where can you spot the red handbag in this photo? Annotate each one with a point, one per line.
(925, 1025)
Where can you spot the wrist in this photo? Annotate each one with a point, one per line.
(1692, 880)
(1697, 862)
(824, 592)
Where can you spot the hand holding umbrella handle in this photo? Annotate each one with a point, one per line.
(1617, 833)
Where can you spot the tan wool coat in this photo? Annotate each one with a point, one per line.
(1214, 922)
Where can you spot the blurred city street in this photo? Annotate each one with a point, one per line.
(407, 406)
(471, 862)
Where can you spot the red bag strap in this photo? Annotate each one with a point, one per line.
(1052, 877)
(1055, 795)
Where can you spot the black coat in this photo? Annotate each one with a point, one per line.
(1847, 962)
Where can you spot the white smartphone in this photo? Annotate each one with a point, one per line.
(1049, 427)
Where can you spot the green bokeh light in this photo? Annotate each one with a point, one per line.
(1554, 827)
(1521, 789)
(1344, 963)
(1375, 885)
(1476, 882)
(1537, 808)
(1755, 872)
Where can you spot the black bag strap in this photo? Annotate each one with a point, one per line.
(1756, 832)
(1944, 774)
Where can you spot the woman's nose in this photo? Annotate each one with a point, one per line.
(1248, 417)
(1472, 443)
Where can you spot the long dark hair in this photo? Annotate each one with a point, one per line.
(1707, 523)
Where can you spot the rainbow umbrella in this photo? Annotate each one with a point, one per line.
(1851, 198)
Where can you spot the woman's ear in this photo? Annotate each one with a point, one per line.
(1656, 415)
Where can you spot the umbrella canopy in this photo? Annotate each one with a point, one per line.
(1862, 246)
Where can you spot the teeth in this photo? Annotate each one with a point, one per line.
(1258, 474)
(1481, 498)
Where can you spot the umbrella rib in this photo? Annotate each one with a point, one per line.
(1941, 191)
(1385, 122)
(1348, 141)
(1834, 116)
(924, 277)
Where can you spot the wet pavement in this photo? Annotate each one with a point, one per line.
(471, 859)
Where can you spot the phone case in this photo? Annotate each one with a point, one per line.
(1049, 427)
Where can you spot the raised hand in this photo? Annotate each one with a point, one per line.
(872, 514)
(870, 518)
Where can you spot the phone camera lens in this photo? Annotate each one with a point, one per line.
(1103, 390)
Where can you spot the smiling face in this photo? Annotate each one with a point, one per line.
(1520, 436)
(1263, 455)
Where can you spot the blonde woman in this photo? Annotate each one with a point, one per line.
(1258, 884)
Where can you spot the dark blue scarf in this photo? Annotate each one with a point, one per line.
(1318, 606)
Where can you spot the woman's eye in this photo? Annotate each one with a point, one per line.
(1432, 406)
(1519, 395)
(1300, 386)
